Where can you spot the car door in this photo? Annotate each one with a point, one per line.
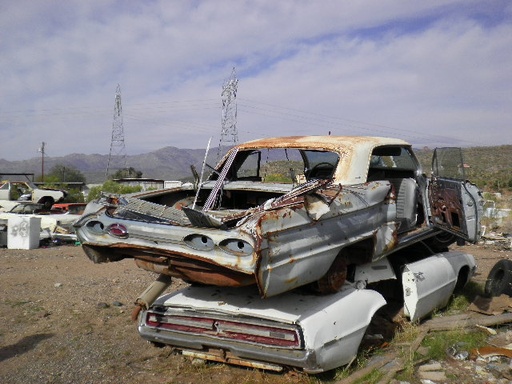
(456, 205)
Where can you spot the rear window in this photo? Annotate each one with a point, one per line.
(392, 162)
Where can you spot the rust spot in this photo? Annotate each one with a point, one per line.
(196, 271)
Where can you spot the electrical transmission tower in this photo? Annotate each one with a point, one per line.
(117, 155)
(229, 132)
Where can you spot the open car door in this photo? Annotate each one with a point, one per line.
(456, 204)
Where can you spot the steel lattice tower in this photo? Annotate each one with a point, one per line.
(229, 132)
(117, 155)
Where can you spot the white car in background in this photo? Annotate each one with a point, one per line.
(27, 191)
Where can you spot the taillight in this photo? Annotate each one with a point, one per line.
(117, 230)
(236, 247)
(199, 242)
(273, 335)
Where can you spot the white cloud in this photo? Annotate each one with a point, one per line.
(431, 73)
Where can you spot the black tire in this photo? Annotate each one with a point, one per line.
(440, 242)
(47, 202)
(499, 280)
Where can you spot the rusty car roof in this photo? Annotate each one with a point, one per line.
(332, 143)
(354, 151)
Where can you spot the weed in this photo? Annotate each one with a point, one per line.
(14, 304)
(439, 342)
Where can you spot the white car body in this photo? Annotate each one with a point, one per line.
(296, 329)
(27, 191)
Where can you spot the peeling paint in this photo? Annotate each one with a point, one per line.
(279, 236)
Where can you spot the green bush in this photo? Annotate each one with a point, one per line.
(111, 187)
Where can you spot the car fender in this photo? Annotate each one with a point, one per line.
(334, 334)
(429, 283)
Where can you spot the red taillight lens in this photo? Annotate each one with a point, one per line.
(279, 336)
(118, 230)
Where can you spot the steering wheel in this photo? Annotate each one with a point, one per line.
(321, 171)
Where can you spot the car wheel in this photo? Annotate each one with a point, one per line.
(47, 202)
(499, 280)
(441, 241)
(334, 279)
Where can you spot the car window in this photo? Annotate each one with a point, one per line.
(76, 209)
(392, 162)
(319, 164)
(313, 158)
(392, 157)
(26, 208)
(269, 165)
(250, 168)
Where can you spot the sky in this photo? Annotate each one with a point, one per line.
(434, 73)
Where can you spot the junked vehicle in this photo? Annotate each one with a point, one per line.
(297, 329)
(55, 224)
(27, 191)
(282, 213)
(71, 208)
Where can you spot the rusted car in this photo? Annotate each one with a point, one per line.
(286, 212)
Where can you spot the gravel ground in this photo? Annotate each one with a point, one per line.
(64, 319)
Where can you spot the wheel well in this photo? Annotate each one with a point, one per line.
(462, 278)
(342, 267)
(46, 200)
(359, 253)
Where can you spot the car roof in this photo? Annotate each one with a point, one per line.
(332, 143)
(354, 151)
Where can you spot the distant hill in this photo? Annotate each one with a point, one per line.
(490, 167)
(168, 163)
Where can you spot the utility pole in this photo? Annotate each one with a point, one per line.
(229, 133)
(42, 160)
(117, 155)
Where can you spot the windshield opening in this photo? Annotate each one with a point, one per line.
(282, 165)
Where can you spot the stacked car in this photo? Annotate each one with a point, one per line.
(280, 222)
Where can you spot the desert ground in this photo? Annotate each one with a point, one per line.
(64, 319)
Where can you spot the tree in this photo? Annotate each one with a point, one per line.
(64, 173)
(127, 173)
(61, 174)
(111, 187)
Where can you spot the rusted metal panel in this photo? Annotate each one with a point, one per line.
(222, 356)
(292, 234)
(192, 272)
(276, 235)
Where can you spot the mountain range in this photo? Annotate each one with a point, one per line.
(488, 165)
(168, 163)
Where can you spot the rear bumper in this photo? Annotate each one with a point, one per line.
(267, 357)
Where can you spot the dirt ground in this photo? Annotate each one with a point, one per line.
(64, 319)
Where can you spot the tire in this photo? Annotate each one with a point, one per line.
(47, 202)
(499, 280)
(334, 279)
(441, 242)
